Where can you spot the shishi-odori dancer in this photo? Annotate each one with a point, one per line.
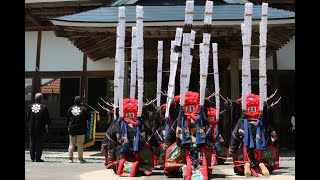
(189, 156)
(219, 156)
(248, 138)
(254, 143)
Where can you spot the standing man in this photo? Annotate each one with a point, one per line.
(77, 117)
(38, 120)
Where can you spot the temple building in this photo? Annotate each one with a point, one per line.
(70, 47)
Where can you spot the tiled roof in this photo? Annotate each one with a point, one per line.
(52, 87)
(174, 2)
(236, 1)
(226, 12)
(122, 2)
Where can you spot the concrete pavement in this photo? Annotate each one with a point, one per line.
(97, 155)
(56, 166)
(218, 173)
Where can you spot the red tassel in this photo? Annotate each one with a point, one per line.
(189, 167)
(253, 172)
(204, 165)
(120, 166)
(134, 169)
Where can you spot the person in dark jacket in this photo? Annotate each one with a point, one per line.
(77, 117)
(38, 120)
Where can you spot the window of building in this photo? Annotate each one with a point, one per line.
(100, 87)
(69, 88)
(50, 88)
(110, 90)
(27, 92)
(28, 89)
(58, 94)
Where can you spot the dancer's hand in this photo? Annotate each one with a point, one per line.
(274, 136)
(220, 138)
(240, 131)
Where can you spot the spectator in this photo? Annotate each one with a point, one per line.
(37, 120)
(77, 117)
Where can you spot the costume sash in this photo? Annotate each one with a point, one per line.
(125, 146)
(186, 138)
(247, 134)
(200, 132)
(260, 139)
(137, 140)
(217, 143)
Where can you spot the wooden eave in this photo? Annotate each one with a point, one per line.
(280, 4)
(99, 42)
(37, 14)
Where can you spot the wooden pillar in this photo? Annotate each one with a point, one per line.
(224, 88)
(126, 84)
(36, 78)
(234, 74)
(225, 83)
(84, 79)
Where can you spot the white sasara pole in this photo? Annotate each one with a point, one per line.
(216, 78)
(116, 77)
(133, 79)
(159, 72)
(263, 55)
(121, 36)
(205, 50)
(186, 50)
(173, 71)
(247, 28)
(140, 56)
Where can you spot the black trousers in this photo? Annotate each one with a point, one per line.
(36, 146)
